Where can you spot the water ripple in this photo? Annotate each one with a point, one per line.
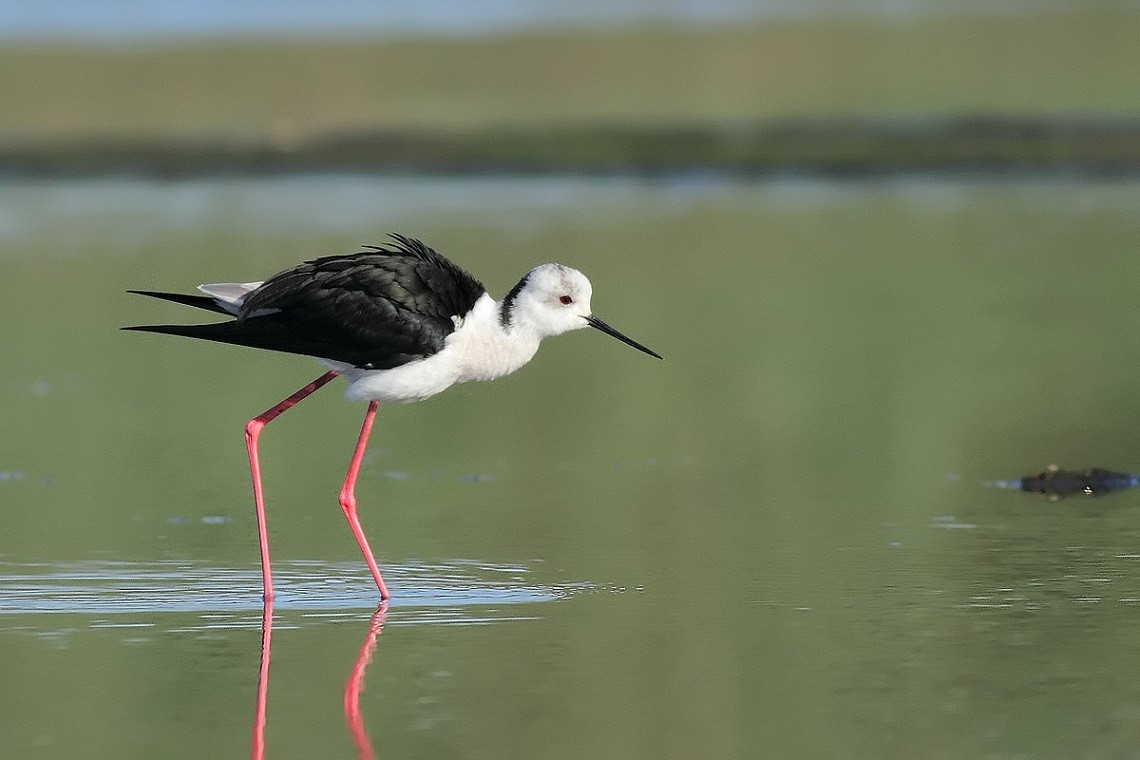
(445, 591)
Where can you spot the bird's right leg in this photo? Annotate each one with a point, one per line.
(252, 432)
(348, 498)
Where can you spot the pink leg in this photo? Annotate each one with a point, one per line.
(348, 498)
(252, 431)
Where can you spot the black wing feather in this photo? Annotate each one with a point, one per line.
(198, 302)
(378, 309)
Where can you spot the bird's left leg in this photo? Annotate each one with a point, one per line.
(348, 497)
(252, 434)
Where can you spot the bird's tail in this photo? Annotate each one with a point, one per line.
(198, 302)
(254, 333)
(222, 331)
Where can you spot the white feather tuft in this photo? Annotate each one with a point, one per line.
(229, 295)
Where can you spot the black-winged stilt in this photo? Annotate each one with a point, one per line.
(401, 323)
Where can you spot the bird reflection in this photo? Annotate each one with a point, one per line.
(355, 684)
(258, 743)
(352, 687)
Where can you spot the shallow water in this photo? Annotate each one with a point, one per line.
(777, 542)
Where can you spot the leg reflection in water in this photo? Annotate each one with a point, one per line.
(257, 748)
(355, 684)
(352, 687)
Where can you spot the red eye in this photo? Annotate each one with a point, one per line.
(566, 300)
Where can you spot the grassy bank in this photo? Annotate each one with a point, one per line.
(294, 89)
(827, 95)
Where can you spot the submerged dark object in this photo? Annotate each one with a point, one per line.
(1056, 483)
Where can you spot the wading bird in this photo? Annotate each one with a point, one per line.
(400, 322)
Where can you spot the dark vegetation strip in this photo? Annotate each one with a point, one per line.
(1102, 145)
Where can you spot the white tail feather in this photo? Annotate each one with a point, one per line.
(229, 295)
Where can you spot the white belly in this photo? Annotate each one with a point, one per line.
(411, 382)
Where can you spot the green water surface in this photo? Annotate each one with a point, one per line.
(775, 543)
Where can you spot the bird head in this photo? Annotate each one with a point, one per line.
(552, 299)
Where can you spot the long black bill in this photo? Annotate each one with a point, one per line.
(599, 324)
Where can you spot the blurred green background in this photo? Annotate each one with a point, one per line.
(1015, 63)
(777, 542)
(853, 91)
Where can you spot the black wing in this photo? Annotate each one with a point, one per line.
(378, 309)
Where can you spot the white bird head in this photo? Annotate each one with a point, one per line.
(552, 299)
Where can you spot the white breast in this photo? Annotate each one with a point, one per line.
(479, 349)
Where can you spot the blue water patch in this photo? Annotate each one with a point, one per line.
(387, 19)
(124, 213)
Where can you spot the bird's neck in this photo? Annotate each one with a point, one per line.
(491, 347)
